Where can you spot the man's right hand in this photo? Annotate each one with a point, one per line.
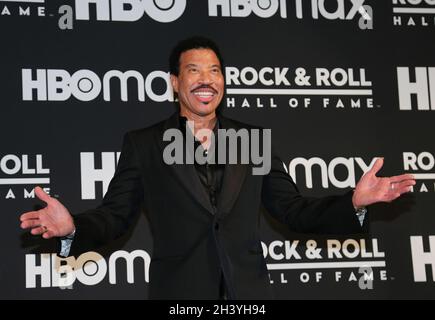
(52, 221)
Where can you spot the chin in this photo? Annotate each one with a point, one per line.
(206, 111)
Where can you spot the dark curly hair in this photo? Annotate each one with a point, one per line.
(196, 42)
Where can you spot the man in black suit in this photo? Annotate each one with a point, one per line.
(204, 217)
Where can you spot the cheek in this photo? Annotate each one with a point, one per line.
(184, 90)
(221, 84)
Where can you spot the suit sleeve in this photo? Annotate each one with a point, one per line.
(328, 215)
(121, 204)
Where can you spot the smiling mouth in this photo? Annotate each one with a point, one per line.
(204, 94)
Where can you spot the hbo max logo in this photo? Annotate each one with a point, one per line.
(342, 9)
(86, 85)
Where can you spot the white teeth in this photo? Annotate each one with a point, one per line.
(203, 93)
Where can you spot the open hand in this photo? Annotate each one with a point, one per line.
(372, 189)
(52, 221)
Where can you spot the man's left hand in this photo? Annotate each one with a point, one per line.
(372, 189)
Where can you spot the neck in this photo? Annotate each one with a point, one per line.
(201, 122)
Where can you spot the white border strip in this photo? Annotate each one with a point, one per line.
(414, 10)
(33, 1)
(332, 92)
(325, 265)
(25, 181)
(424, 176)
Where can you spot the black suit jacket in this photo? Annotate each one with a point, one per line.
(193, 245)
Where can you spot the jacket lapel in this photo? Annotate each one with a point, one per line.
(234, 176)
(186, 173)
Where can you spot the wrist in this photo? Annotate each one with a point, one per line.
(69, 236)
(355, 202)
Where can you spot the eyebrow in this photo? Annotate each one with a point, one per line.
(195, 65)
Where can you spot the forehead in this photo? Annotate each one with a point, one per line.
(199, 56)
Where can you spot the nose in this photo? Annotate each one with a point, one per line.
(205, 77)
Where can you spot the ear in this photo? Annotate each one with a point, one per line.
(174, 82)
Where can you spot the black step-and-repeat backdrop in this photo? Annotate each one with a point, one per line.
(340, 82)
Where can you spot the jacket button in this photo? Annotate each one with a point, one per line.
(216, 226)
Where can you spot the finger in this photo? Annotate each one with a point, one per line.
(399, 191)
(42, 195)
(404, 184)
(402, 177)
(38, 230)
(48, 234)
(30, 224)
(29, 215)
(401, 187)
(377, 166)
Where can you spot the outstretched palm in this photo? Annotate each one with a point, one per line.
(52, 221)
(371, 189)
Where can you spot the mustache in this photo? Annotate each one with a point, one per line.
(204, 86)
